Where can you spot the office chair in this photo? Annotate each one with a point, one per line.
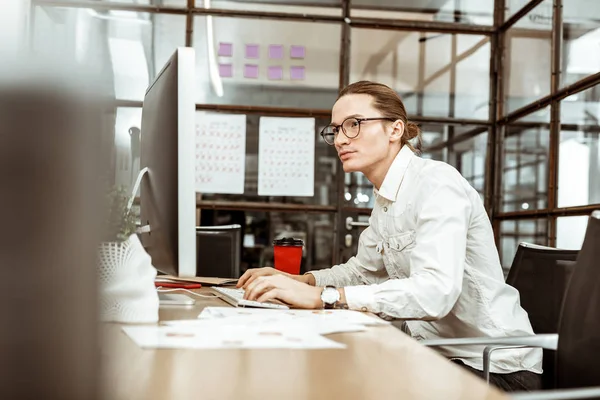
(218, 251)
(541, 275)
(577, 343)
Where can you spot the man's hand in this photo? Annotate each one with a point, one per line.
(284, 289)
(253, 273)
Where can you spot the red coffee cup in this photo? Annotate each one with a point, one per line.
(288, 255)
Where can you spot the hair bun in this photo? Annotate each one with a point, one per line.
(412, 130)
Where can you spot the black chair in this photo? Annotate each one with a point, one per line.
(577, 343)
(578, 353)
(217, 249)
(541, 275)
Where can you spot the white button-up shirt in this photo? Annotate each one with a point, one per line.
(429, 257)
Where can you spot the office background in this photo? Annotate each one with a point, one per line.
(507, 91)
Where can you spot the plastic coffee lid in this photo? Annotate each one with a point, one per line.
(288, 242)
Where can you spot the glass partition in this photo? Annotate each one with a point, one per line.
(570, 231)
(534, 231)
(579, 149)
(125, 49)
(437, 75)
(581, 40)
(250, 62)
(525, 163)
(479, 12)
(527, 58)
(312, 7)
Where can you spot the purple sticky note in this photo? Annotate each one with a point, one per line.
(275, 73)
(276, 51)
(297, 52)
(297, 73)
(225, 70)
(252, 51)
(250, 71)
(225, 49)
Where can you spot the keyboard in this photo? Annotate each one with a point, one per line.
(235, 297)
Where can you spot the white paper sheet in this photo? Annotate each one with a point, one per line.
(216, 335)
(320, 327)
(220, 153)
(262, 314)
(286, 156)
(322, 322)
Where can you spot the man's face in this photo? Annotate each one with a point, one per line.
(371, 145)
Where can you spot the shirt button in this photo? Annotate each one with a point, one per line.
(384, 209)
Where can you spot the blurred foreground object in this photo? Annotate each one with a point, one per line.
(52, 155)
(14, 22)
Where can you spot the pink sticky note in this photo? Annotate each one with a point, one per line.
(250, 71)
(225, 49)
(252, 51)
(297, 52)
(275, 73)
(276, 51)
(297, 73)
(225, 70)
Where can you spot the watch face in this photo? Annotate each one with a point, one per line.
(330, 295)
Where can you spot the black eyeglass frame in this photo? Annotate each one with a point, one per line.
(336, 128)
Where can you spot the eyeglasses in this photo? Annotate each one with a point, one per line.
(350, 128)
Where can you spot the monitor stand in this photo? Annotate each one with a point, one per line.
(174, 299)
(136, 187)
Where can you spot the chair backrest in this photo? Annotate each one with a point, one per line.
(218, 252)
(578, 353)
(541, 275)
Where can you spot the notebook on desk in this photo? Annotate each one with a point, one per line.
(205, 280)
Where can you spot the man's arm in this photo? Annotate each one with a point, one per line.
(436, 262)
(363, 269)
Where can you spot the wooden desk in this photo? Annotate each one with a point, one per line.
(381, 363)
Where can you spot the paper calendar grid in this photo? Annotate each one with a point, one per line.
(220, 153)
(286, 157)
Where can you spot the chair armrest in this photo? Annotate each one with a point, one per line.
(546, 341)
(561, 394)
(487, 357)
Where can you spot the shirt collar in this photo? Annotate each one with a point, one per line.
(395, 175)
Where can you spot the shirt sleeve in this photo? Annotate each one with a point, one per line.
(363, 269)
(436, 262)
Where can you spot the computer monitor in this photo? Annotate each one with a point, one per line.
(167, 193)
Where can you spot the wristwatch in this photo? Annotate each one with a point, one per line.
(330, 296)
